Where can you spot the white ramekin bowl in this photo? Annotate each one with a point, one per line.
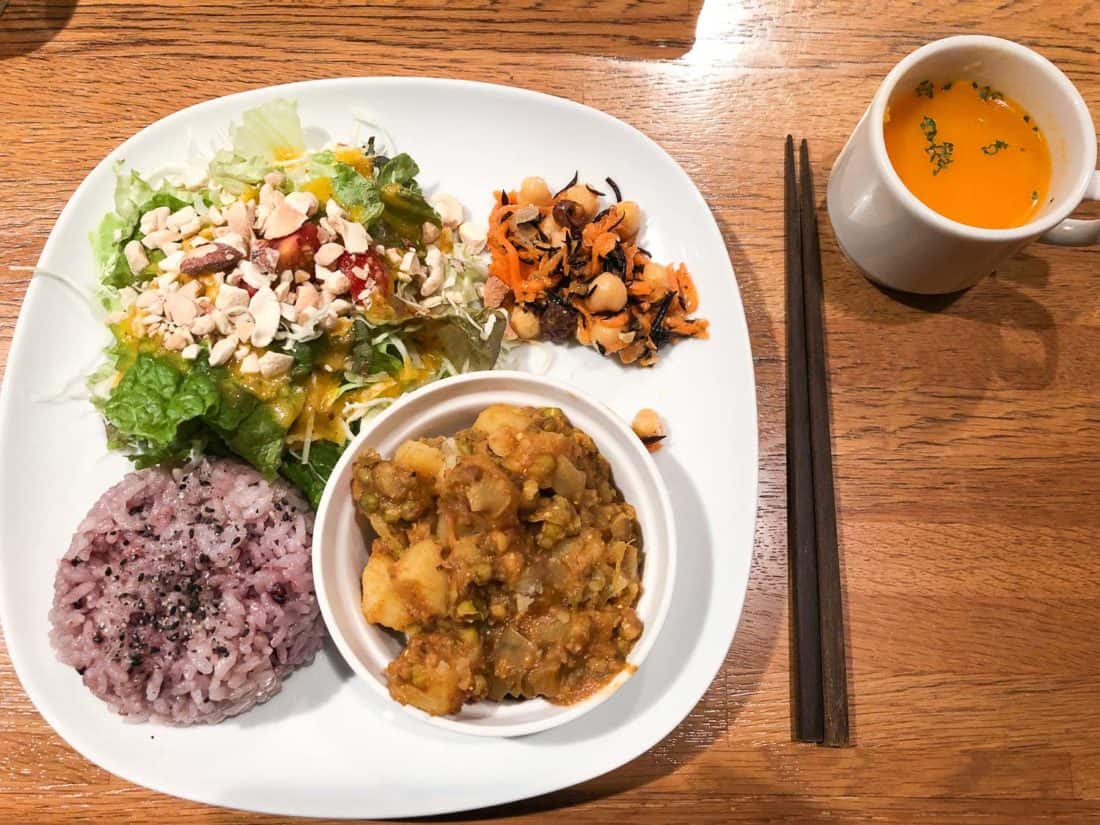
(340, 548)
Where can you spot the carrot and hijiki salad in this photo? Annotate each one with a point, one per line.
(569, 269)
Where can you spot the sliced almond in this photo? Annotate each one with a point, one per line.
(191, 289)
(429, 232)
(250, 364)
(334, 282)
(231, 296)
(159, 237)
(221, 321)
(328, 254)
(150, 301)
(135, 256)
(307, 297)
(239, 217)
(215, 217)
(304, 202)
(264, 308)
(175, 340)
(182, 217)
(273, 364)
(355, 237)
(203, 325)
(180, 308)
(172, 262)
(154, 219)
(473, 236)
(222, 351)
(243, 328)
(448, 208)
(282, 221)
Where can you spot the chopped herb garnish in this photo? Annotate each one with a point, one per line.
(940, 154)
(1027, 118)
(986, 93)
(925, 89)
(1034, 195)
(973, 85)
(994, 147)
(1035, 128)
(946, 87)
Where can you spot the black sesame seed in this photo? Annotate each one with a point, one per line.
(79, 604)
(81, 670)
(277, 593)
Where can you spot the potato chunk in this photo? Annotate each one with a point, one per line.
(423, 585)
(437, 672)
(502, 416)
(423, 459)
(381, 603)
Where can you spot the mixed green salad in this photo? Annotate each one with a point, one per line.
(266, 302)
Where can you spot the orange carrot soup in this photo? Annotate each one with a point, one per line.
(968, 152)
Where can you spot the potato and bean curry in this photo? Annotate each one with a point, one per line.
(508, 558)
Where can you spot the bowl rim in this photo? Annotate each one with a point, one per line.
(667, 543)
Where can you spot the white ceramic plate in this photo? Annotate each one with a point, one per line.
(328, 745)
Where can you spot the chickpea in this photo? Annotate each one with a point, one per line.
(525, 323)
(607, 337)
(647, 425)
(628, 226)
(656, 276)
(581, 194)
(608, 294)
(534, 190)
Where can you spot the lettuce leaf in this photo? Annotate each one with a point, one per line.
(133, 198)
(154, 398)
(236, 174)
(400, 169)
(463, 342)
(311, 477)
(160, 410)
(356, 193)
(271, 131)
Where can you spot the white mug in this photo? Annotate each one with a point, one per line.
(898, 241)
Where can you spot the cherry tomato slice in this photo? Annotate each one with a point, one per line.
(365, 272)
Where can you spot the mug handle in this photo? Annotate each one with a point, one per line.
(1075, 232)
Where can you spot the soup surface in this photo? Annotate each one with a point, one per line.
(969, 152)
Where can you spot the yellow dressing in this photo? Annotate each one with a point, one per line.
(970, 153)
(354, 157)
(321, 188)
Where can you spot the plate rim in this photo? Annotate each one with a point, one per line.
(91, 751)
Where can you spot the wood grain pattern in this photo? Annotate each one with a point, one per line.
(966, 432)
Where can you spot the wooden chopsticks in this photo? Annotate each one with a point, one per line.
(819, 700)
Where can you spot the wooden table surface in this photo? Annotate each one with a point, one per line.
(967, 431)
